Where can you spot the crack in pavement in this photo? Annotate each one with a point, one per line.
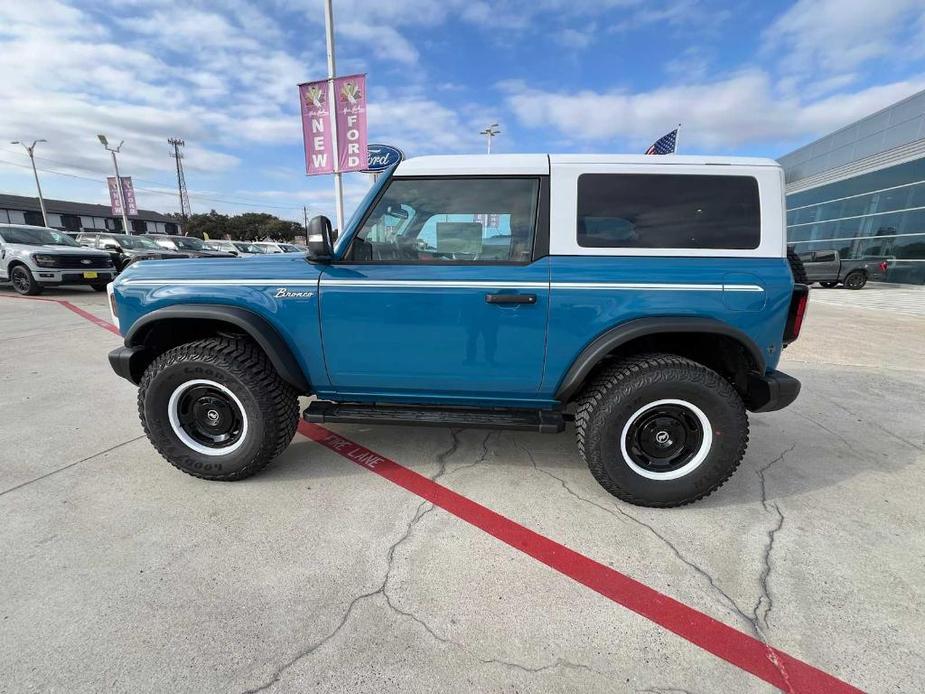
(445, 455)
(478, 461)
(764, 599)
(834, 433)
(70, 465)
(419, 513)
(755, 624)
(623, 516)
(664, 690)
(879, 426)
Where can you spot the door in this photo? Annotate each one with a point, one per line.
(825, 267)
(439, 297)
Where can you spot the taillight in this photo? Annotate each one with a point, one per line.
(883, 266)
(797, 312)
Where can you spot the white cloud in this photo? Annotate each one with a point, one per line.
(839, 35)
(724, 114)
(384, 41)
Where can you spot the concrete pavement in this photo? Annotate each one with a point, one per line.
(120, 573)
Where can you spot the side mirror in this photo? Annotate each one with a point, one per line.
(320, 244)
(112, 246)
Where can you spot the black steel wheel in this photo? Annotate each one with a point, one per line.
(660, 430)
(23, 281)
(665, 436)
(217, 409)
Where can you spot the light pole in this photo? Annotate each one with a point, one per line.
(115, 164)
(490, 132)
(31, 149)
(332, 106)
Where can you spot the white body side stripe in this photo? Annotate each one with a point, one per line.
(453, 284)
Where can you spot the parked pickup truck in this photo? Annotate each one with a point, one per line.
(645, 299)
(32, 258)
(828, 269)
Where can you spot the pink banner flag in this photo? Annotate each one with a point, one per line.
(114, 202)
(316, 128)
(350, 94)
(128, 190)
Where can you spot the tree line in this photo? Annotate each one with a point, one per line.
(250, 226)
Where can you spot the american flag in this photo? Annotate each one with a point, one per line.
(665, 144)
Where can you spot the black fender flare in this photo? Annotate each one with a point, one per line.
(609, 340)
(254, 325)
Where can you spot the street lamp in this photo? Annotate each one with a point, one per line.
(490, 132)
(115, 164)
(31, 149)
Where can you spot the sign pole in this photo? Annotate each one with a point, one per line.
(126, 229)
(332, 107)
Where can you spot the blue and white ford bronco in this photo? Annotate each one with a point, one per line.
(647, 299)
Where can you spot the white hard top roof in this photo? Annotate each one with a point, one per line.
(532, 164)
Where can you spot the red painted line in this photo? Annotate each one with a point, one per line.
(770, 664)
(106, 325)
(738, 648)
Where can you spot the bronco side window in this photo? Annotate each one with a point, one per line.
(668, 211)
(458, 219)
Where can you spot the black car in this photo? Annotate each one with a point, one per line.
(193, 247)
(124, 249)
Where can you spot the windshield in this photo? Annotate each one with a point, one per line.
(189, 243)
(137, 242)
(36, 236)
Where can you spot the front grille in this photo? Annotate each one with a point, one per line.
(81, 261)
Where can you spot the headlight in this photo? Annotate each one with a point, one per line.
(45, 260)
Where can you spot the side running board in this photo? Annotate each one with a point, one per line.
(542, 421)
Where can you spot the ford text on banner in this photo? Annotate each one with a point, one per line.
(316, 128)
(351, 122)
(128, 190)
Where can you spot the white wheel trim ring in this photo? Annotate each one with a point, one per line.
(184, 437)
(694, 462)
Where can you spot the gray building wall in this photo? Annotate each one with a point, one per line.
(861, 191)
(891, 136)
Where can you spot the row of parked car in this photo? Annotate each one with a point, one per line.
(126, 249)
(32, 257)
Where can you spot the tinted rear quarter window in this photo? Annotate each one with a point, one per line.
(678, 211)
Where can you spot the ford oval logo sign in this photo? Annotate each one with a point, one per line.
(381, 157)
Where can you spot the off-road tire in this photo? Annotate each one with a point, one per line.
(23, 281)
(271, 405)
(796, 266)
(828, 285)
(622, 389)
(855, 279)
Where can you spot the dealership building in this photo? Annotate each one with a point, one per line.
(861, 191)
(80, 216)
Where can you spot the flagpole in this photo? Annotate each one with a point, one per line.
(677, 138)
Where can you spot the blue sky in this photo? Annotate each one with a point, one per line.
(754, 77)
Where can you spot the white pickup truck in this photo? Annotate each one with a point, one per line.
(32, 258)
